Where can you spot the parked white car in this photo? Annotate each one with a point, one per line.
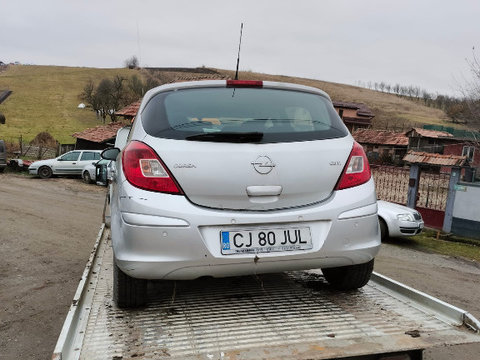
(227, 178)
(89, 172)
(70, 163)
(398, 220)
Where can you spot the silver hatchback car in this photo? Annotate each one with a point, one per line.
(227, 178)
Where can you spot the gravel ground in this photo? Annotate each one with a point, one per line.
(454, 280)
(48, 228)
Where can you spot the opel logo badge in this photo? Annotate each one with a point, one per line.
(263, 165)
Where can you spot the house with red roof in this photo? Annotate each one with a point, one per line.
(382, 145)
(97, 138)
(445, 143)
(354, 115)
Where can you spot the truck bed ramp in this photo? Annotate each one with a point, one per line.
(276, 316)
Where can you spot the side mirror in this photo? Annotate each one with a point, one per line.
(110, 153)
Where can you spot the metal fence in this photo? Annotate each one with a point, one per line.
(433, 191)
(391, 184)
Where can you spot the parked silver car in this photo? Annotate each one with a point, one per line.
(398, 220)
(70, 163)
(89, 171)
(226, 178)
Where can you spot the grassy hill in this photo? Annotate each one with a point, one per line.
(45, 98)
(390, 110)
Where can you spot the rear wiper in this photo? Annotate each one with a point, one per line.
(231, 137)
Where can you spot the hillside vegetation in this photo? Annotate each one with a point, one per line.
(45, 98)
(391, 111)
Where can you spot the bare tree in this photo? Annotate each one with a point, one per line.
(132, 63)
(472, 90)
(89, 96)
(396, 89)
(103, 95)
(117, 96)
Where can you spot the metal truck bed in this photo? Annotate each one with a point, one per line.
(277, 316)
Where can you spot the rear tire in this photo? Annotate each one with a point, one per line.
(45, 172)
(128, 292)
(349, 277)
(383, 229)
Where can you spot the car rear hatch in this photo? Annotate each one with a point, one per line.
(255, 177)
(248, 147)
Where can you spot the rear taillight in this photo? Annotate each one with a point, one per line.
(244, 83)
(144, 169)
(357, 171)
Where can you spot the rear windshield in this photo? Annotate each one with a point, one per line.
(254, 115)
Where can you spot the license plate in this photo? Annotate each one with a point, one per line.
(265, 240)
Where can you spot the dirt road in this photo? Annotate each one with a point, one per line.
(47, 230)
(456, 281)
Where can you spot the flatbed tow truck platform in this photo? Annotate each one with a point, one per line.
(294, 315)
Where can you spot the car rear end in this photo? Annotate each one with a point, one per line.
(232, 178)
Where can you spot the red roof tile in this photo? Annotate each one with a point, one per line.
(100, 133)
(415, 157)
(380, 137)
(130, 110)
(429, 133)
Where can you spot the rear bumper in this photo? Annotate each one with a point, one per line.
(166, 237)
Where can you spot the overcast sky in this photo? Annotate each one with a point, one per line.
(411, 42)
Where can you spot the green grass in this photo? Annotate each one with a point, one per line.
(45, 98)
(455, 246)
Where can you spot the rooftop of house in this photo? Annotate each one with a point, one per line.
(191, 77)
(129, 110)
(415, 157)
(100, 133)
(433, 134)
(362, 109)
(380, 137)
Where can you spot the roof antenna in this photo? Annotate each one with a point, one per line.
(238, 57)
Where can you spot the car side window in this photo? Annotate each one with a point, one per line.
(97, 156)
(89, 155)
(71, 156)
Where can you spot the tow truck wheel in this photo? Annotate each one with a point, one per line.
(128, 292)
(349, 277)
